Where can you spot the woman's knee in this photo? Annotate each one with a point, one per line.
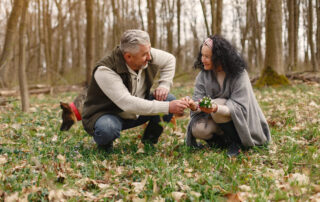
(204, 129)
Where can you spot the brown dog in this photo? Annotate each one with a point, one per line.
(71, 113)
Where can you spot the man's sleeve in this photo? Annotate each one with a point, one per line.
(112, 86)
(167, 64)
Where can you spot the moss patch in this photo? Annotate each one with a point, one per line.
(270, 77)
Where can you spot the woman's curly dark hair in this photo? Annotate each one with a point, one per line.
(224, 54)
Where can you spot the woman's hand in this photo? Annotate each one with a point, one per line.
(192, 104)
(213, 109)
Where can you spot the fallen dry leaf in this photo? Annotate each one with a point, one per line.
(178, 195)
(56, 195)
(3, 159)
(155, 187)
(195, 194)
(233, 197)
(61, 158)
(245, 188)
(54, 138)
(138, 186)
(316, 188)
(183, 187)
(302, 179)
(12, 198)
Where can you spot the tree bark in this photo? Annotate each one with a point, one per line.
(40, 41)
(213, 16)
(318, 28)
(140, 15)
(169, 13)
(116, 23)
(79, 61)
(273, 72)
(204, 12)
(314, 61)
(47, 31)
(89, 40)
(22, 60)
(152, 21)
(293, 25)
(178, 52)
(9, 40)
(219, 16)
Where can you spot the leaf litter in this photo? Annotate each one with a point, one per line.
(132, 172)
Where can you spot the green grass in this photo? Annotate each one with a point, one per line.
(40, 163)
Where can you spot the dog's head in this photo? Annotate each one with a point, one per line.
(68, 117)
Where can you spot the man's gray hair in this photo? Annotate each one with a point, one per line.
(132, 38)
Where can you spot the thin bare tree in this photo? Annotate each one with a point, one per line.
(314, 61)
(293, 26)
(218, 16)
(89, 40)
(22, 60)
(204, 12)
(9, 40)
(152, 21)
(318, 29)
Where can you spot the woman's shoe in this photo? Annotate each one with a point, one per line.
(233, 150)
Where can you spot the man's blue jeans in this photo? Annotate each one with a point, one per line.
(108, 127)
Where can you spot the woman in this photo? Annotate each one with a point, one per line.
(235, 118)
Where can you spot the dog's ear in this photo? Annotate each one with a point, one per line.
(64, 106)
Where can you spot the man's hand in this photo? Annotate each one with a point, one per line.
(177, 106)
(192, 104)
(161, 93)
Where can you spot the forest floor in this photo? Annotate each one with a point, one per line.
(40, 163)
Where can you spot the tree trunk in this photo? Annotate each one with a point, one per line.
(204, 12)
(40, 41)
(140, 15)
(169, 13)
(58, 45)
(9, 40)
(293, 25)
(255, 37)
(314, 61)
(213, 16)
(219, 16)
(178, 52)
(79, 55)
(47, 31)
(273, 72)
(72, 36)
(116, 23)
(152, 21)
(22, 60)
(318, 28)
(89, 40)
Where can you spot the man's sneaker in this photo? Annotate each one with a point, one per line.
(107, 147)
(233, 150)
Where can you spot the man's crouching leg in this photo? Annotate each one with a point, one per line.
(154, 129)
(107, 128)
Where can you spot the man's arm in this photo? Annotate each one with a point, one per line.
(167, 63)
(112, 86)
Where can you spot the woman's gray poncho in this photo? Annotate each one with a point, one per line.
(246, 113)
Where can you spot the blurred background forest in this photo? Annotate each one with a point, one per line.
(58, 41)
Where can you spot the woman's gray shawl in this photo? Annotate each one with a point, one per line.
(246, 113)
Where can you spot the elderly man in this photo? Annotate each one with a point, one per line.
(119, 97)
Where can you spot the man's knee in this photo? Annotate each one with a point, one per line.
(170, 97)
(107, 129)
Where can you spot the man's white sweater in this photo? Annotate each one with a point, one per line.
(134, 104)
